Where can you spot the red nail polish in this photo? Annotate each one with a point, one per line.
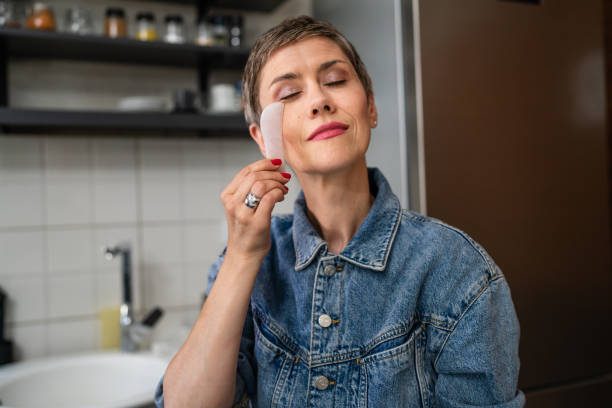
(286, 175)
(276, 161)
(286, 188)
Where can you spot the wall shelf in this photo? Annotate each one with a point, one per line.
(56, 45)
(24, 43)
(53, 121)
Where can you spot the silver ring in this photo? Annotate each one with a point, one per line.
(251, 200)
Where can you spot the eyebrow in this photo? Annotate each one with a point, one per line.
(292, 75)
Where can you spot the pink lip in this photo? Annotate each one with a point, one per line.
(328, 130)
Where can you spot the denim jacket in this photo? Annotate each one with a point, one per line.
(412, 313)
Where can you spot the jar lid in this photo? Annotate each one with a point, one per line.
(175, 18)
(145, 15)
(115, 12)
(40, 6)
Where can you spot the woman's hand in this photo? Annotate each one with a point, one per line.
(249, 228)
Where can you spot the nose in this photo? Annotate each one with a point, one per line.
(317, 109)
(321, 104)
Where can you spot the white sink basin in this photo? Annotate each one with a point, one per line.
(103, 379)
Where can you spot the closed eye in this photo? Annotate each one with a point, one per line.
(288, 96)
(334, 83)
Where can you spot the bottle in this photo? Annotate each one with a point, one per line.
(175, 32)
(205, 32)
(146, 26)
(115, 25)
(41, 17)
(220, 31)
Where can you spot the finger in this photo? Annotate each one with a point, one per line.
(253, 178)
(268, 201)
(261, 187)
(260, 165)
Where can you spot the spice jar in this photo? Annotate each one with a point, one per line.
(41, 17)
(205, 34)
(146, 26)
(8, 15)
(78, 21)
(115, 25)
(175, 32)
(220, 32)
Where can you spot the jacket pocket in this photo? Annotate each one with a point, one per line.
(275, 367)
(388, 373)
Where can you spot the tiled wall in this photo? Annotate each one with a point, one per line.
(63, 197)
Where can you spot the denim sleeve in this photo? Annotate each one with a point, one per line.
(245, 376)
(478, 365)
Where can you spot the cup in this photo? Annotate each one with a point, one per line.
(222, 98)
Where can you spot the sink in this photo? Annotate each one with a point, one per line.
(99, 379)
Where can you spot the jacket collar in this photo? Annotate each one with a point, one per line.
(370, 246)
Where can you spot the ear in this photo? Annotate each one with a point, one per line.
(372, 110)
(255, 132)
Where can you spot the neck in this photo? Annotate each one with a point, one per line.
(337, 203)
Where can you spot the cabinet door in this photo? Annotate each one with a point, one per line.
(516, 155)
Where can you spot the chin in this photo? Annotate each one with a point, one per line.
(331, 163)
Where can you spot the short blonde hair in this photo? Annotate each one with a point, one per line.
(289, 31)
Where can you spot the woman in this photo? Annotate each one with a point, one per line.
(350, 301)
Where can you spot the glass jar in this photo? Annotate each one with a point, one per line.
(175, 30)
(41, 17)
(78, 21)
(235, 31)
(220, 32)
(115, 25)
(205, 32)
(146, 26)
(8, 15)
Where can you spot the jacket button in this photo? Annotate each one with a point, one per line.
(321, 382)
(325, 320)
(329, 270)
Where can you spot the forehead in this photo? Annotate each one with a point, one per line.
(299, 56)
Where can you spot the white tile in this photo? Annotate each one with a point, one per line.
(21, 253)
(108, 290)
(237, 154)
(114, 158)
(70, 251)
(202, 158)
(71, 295)
(29, 341)
(73, 336)
(162, 244)
(196, 279)
(25, 298)
(114, 201)
(20, 158)
(21, 203)
(164, 285)
(201, 199)
(201, 242)
(160, 200)
(159, 159)
(109, 237)
(68, 202)
(67, 158)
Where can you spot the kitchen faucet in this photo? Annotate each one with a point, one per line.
(133, 334)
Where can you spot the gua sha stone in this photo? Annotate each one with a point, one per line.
(271, 124)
